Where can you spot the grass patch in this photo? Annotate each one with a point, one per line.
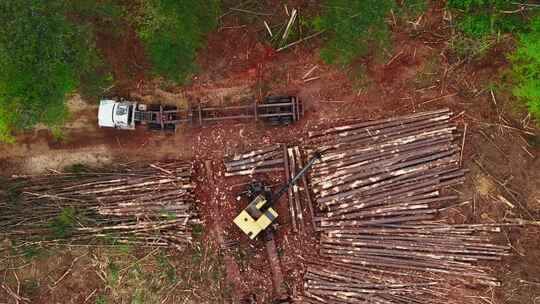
(150, 275)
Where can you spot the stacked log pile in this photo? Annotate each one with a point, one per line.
(299, 198)
(147, 205)
(379, 194)
(268, 159)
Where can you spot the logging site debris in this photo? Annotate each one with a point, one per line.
(283, 170)
(374, 211)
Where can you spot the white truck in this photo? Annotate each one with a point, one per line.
(114, 114)
(125, 115)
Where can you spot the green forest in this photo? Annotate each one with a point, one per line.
(48, 48)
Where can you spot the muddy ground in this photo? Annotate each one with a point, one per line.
(422, 72)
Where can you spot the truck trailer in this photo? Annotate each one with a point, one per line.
(126, 115)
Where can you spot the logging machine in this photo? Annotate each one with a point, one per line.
(260, 214)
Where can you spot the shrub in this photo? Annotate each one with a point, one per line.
(526, 68)
(42, 55)
(480, 18)
(172, 32)
(352, 26)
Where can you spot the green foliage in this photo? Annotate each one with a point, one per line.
(57, 133)
(480, 18)
(413, 8)
(103, 12)
(94, 83)
(352, 26)
(172, 32)
(105, 16)
(42, 55)
(466, 47)
(113, 274)
(63, 223)
(101, 299)
(197, 231)
(31, 252)
(526, 68)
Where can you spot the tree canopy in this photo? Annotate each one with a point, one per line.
(526, 68)
(42, 55)
(173, 31)
(351, 26)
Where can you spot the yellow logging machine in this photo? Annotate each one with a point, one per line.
(260, 214)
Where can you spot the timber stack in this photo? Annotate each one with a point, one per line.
(299, 198)
(151, 204)
(379, 193)
(263, 160)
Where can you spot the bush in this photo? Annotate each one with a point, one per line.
(480, 18)
(526, 68)
(42, 55)
(172, 32)
(352, 26)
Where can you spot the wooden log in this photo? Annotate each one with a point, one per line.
(307, 191)
(376, 122)
(254, 159)
(256, 165)
(253, 171)
(369, 137)
(253, 153)
(289, 190)
(296, 195)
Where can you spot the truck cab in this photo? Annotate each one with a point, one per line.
(117, 114)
